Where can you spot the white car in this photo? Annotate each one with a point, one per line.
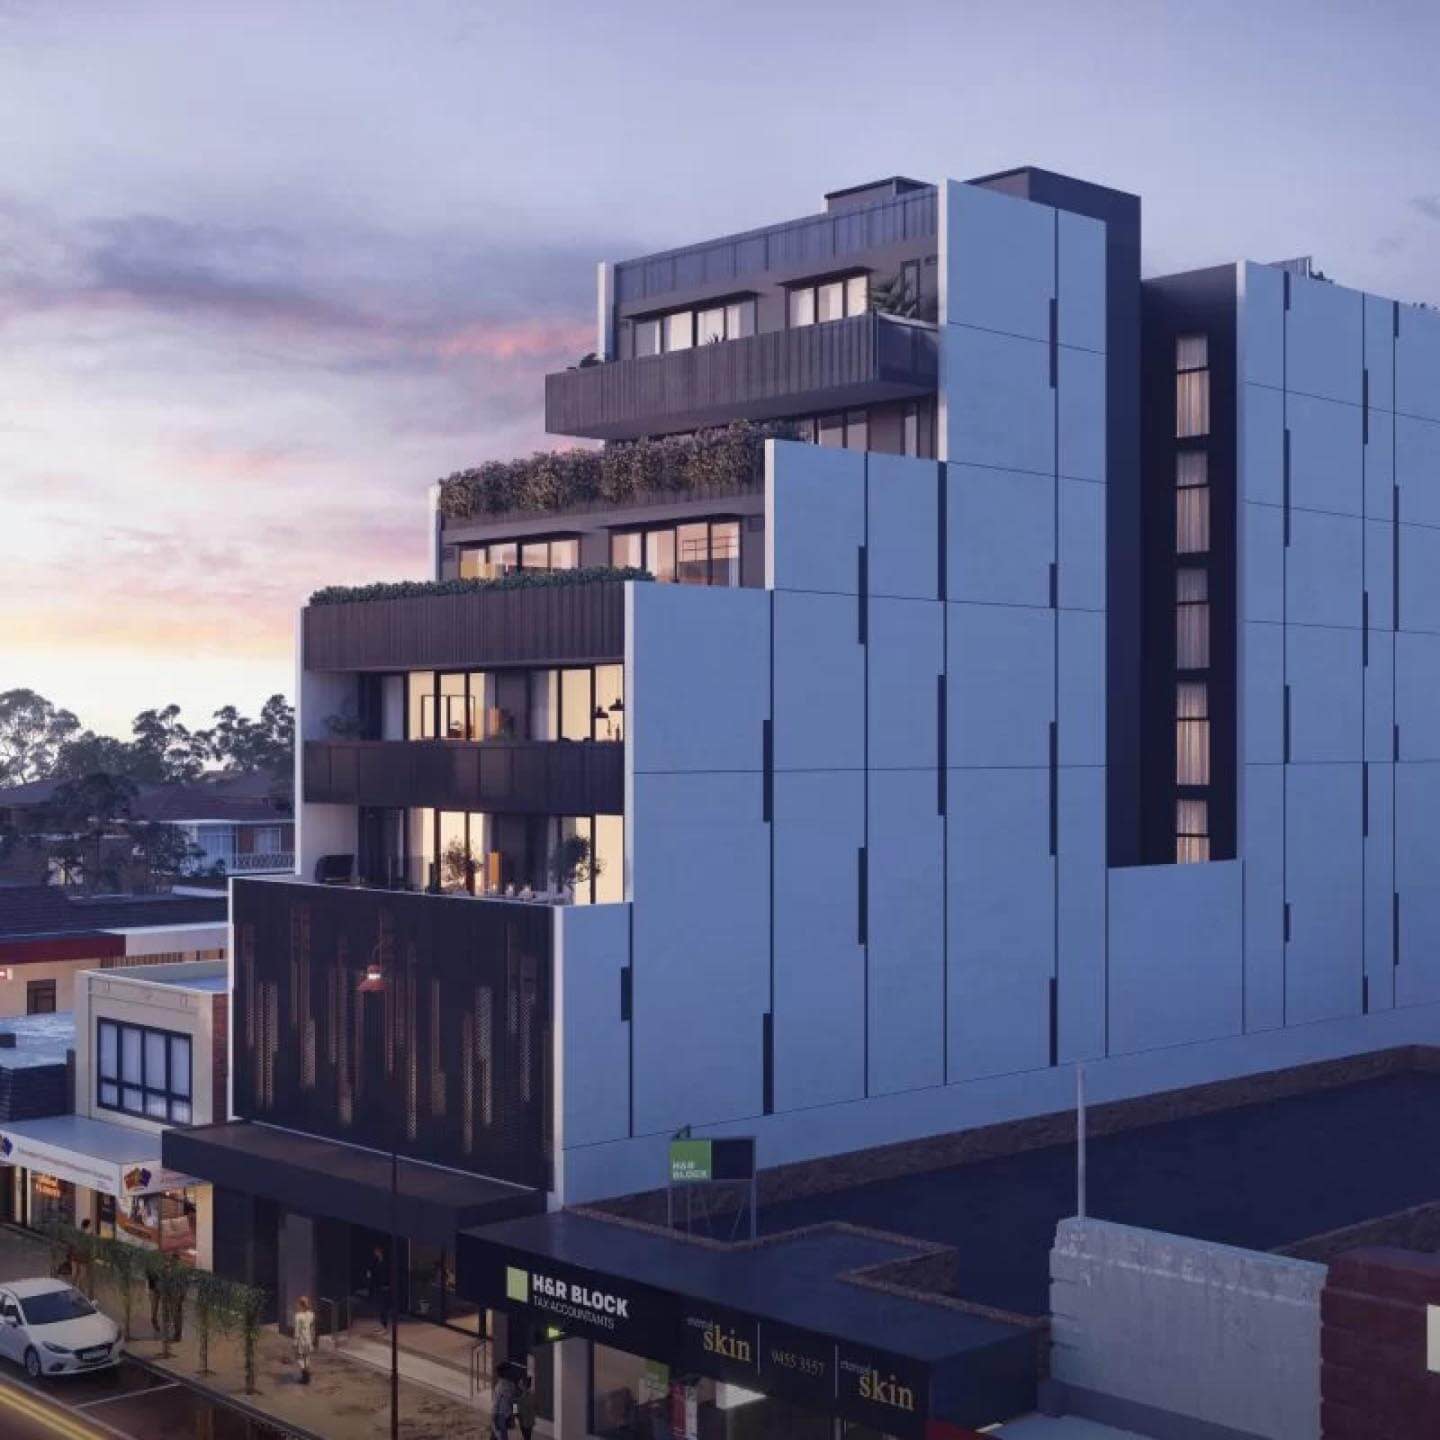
(50, 1328)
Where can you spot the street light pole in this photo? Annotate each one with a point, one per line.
(375, 983)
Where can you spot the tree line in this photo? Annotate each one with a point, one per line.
(41, 741)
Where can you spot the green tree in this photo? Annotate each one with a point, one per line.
(171, 1278)
(209, 1298)
(165, 749)
(126, 1264)
(76, 822)
(32, 730)
(265, 743)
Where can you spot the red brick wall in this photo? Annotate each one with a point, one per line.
(1374, 1384)
(220, 1057)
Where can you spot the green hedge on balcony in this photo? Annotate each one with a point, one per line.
(516, 580)
(712, 462)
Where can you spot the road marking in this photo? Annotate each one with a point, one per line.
(57, 1421)
(127, 1395)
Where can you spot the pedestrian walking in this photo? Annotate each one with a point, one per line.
(502, 1409)
(525, 1407)
(377, 1282)
(303, 1334)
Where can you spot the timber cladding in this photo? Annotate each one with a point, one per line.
(539, 625)
(1376, 1354)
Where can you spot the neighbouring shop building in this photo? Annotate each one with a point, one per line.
(145, 1049)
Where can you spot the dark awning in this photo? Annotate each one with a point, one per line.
(798, 1315)
(324, 1178)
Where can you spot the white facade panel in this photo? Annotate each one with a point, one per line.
(814, 517)
(1081, 694)
(819, 682)
(697, 678)
(1324, 569)
(999, 407)
(1080, 897)
(1380, 573)
(1261, 321)
(1324, 870)
(906, 932)
(1420, 576)
(998, 257)
(1262, 444)
(1417, 695)
(1380, 886)
(1262, 562)
(903, 502)
(1001, 535)
(1417, 882)
(1082, 281)
(1262, 848)
(1262, 697)
(1327, 453)
(906, 657)
(1417, 469)
(1324, 350)
(1327, 704)
(819, 1017)
(1081, 578)
(1001, 665)
(1380, 697)
(593, 948)
(1001, 881)
(1081, 410)
(1380, 352)
(1417, 363)
(1175, 954)
(1380, 468)
(700, 948)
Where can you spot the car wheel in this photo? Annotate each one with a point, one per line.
(32, 1363)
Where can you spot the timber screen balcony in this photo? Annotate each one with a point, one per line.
(521, 777)
(864, 360)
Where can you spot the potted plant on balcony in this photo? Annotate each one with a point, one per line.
(574, 863)
(457, 869)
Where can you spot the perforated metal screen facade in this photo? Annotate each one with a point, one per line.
(453, 1056)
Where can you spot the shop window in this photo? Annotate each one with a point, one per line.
(144, 1071)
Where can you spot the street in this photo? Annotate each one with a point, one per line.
(128, 1401)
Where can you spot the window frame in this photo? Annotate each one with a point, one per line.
(733, 310)
(814, 286)
(163, 1091)
(623, 533)
(519, 544)
(46, 988)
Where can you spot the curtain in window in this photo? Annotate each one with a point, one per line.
(1192, 831)
(1192, 620)
(1192, 734)
(1192, 520)
(1192, 352)
(1192, 404)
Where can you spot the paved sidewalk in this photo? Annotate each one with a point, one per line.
(346, 1399)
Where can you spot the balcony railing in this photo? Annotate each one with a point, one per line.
(864, 360)
(518, 777)
(563, 624)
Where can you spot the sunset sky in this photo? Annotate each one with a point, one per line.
(269, 269)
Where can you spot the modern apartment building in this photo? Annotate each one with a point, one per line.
(1044, 671)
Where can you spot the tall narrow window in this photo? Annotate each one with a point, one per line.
(710, 325)
(1192, 620)
(680, 330)
(692, 554)
(1192, 733)
(627, 549)
(1192, 503)
(1192, 832)
(802, 307)
(1192, 386)
(647, 338)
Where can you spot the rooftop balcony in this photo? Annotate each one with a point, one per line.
(864, 360)
(518, 777)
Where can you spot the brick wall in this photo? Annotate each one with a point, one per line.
(1374, 1380)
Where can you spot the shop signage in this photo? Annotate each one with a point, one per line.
(798, 1365)
(690, 1162)
(109, 1177)
(889, 1392)
(721, 1343)
(694, 1162)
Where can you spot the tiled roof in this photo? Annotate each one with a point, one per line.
(32, 910)
(240, 799)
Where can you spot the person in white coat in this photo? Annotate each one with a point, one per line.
(303, 1328)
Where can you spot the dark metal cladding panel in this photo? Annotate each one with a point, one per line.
(457, 1049)
(859, 361)
(525, 777)
(565, 624)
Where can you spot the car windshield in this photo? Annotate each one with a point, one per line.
(55, 1306)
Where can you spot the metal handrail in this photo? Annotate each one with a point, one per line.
(479, 1366)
